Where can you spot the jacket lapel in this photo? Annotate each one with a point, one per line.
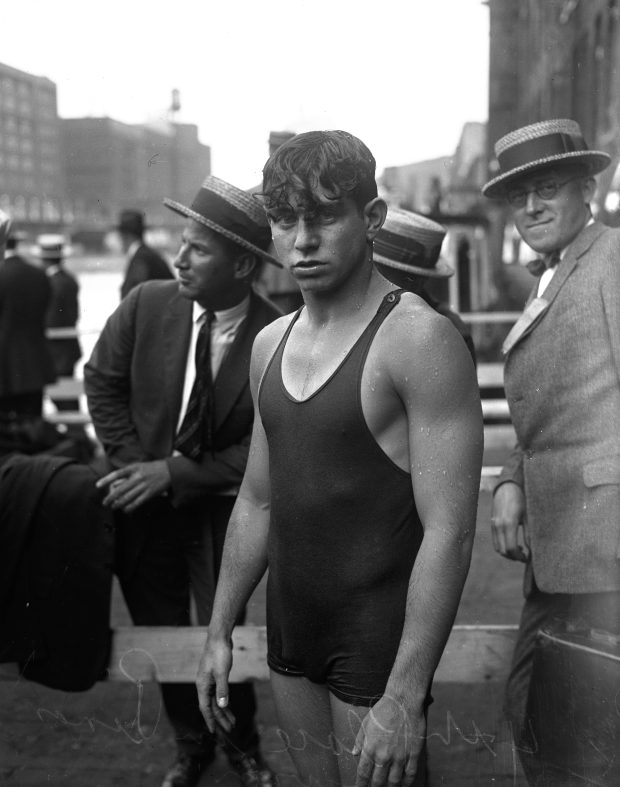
(525, 323)
(537, 307)
(176, 328)
(233, 375)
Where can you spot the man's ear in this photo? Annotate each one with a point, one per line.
(375, 212)
(244, 265)
(588, 188)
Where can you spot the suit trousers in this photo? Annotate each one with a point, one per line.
(181, 557)
(543, 610)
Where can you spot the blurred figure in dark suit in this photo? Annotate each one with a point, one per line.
(407, 252)
(143, 262)
(26, 364)
(63, 310)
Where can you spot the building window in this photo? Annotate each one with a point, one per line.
(19, 208)
(34, 210)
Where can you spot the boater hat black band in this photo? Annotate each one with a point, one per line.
(402, 249)
(547, 143)
(540, 148)
(411, 243)
(231, 212)
(220, 211)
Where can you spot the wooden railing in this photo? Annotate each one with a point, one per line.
(473, 654)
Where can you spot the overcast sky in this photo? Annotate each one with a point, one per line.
(403, 75)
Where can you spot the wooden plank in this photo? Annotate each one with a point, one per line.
(65, 388)
(499, 436)
(487, 318)
(68, 417)
(473, 654)
(63, 333)
(495, 409)
(488, 477)
(490, 375)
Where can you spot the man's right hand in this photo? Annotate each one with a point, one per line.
(212, 683)
(507, 518)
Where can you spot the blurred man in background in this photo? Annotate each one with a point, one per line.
(26, 364)
(63, 310)
(143, 262)
(407, 252)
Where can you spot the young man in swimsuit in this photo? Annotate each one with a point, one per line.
(361, 489)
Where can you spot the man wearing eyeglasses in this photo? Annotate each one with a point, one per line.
(557, 502)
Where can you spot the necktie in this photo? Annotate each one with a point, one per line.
(538, 266)
(195, 432)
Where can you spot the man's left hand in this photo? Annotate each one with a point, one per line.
(135, 484)
(389, 742)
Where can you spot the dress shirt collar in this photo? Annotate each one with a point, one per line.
(225, 318)
(133, 248)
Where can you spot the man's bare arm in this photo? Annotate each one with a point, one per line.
(244, 559)
(444, 424)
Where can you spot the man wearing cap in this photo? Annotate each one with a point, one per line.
(407, 252)
(168, 391)
(361, 488)
(27, 365)
(557, 502)
(143, 262)
(63, 311)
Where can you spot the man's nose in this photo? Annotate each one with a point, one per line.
(306, 234)
(533, 203)
(180, 261)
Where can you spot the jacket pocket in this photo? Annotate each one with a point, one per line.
(604, 470)
(601, 471)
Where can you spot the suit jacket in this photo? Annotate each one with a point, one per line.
(134, 385)
(145, 264)
(63, 312)
(26, 364)
(562, 381)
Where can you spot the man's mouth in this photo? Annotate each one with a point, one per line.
(307, 264)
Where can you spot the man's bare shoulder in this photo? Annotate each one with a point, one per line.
(413, 325)
(415, 336)
(267, 340)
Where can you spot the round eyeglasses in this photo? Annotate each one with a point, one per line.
(545, 190)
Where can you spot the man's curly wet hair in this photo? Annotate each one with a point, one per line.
(335, 161)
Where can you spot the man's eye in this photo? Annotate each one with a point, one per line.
(547, 189)
(282, 219)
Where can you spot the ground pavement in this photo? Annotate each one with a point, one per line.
(115, 735)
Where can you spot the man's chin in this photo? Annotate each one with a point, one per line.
(186, 291)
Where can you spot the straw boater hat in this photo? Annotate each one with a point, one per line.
(539, 145)
(52, 247)
(411, 243)
(231, 212)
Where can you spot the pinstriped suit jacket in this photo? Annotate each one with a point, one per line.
(562, 381)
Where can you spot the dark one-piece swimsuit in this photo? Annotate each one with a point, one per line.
(344, 532)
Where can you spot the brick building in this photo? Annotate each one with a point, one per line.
(111, 165)
(32, 188)
(74, 175)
